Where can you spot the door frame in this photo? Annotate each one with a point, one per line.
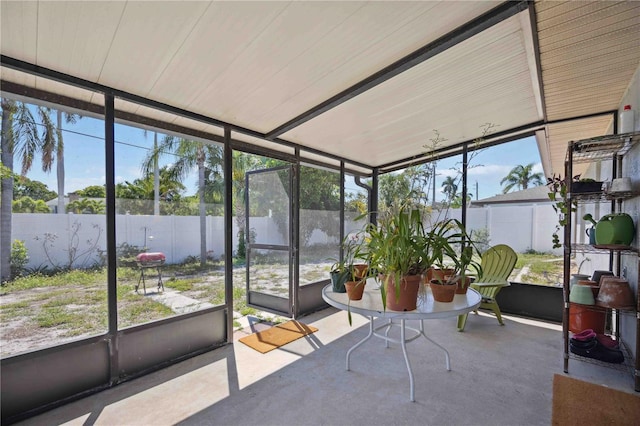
(266, 302)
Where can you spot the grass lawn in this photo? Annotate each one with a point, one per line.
(41, 310)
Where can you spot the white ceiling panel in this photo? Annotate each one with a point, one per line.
(485, 79)
(19, 23)
(75, 37)
(351, 45)
(154, 41)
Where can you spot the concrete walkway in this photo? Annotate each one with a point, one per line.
(178, 303)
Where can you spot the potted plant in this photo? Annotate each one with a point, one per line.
(586, 185)
(558, 193)
(356, 281)
(396, 249)
(451, 249)
(463, 263)
(345, 269)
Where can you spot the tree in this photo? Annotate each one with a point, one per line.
(93, 191)
(190, 154)
(135, 197)
(393, 189)
(86, 206)
(25, 187)
(29, 205)
(456, 201)
(53, 148)
(19, 136)
(449, 187)
(521, 177)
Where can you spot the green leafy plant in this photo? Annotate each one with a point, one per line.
(19, 258)
(450, 245)
(396, 247)
(558, 192)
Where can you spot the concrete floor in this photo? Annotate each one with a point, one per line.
(500, 376)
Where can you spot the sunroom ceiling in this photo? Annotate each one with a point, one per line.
(300, 71)
(588, 53)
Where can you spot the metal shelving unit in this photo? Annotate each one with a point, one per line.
(603, 148)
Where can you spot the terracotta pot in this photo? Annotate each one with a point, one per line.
(355, 289)
(582, 317)
(461, 287)
(615, 293)
(360, 270)
(443, 292)
(595, 287)
(437, 274)
(597, 275)
(409, 287)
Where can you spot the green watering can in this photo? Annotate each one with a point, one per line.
(615, 228)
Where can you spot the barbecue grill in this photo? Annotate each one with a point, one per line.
(147, 261)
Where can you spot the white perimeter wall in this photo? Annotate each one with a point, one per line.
(521, 227)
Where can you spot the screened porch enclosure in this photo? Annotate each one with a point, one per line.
(317, 101)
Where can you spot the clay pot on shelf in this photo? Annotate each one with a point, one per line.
(595, 287)
(615, 293)
(597, 275)
(582, 317)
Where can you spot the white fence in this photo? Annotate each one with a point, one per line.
(79, 237)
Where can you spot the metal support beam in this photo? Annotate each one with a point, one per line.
(536, 49)
(228, 231)
(497, 138)
(465, 163)
(373, 198)
(112, 279)
(460, 34)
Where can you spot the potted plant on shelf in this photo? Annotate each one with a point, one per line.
(586, 185)
(558, 193)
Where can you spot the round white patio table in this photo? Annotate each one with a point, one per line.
(371, 307)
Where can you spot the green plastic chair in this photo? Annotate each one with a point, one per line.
(497, 264)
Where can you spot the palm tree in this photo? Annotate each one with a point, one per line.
(133, 195)
(449, 187)
(190, 154)
(19, 136)
(521, 177)
(58, 145)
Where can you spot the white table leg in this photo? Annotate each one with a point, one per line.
(403, 343)
(361, 341)
(386, 333)
(446, 353)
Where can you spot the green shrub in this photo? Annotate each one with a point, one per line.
(19, 258)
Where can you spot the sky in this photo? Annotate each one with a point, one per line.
(84, 160)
